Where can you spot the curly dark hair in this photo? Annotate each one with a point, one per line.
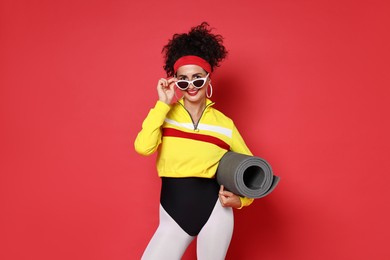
(199, 41)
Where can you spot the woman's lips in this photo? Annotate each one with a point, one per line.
(192, 92)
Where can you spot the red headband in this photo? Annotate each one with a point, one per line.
(192, 60)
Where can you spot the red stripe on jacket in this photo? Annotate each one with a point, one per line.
(199, 137)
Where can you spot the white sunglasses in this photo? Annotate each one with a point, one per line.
(197, 83)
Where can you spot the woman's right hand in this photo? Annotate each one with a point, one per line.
(166, 89)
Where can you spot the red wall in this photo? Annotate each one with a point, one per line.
(307, 83)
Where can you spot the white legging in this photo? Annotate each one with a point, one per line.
(169, 242)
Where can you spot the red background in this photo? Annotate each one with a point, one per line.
(307, 83)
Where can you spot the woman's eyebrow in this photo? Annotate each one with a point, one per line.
(193, 75)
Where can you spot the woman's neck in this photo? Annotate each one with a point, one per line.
(195, 109)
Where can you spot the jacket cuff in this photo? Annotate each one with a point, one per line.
(161, 106)
(245, 202)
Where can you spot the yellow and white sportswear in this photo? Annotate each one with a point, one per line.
(186, 149)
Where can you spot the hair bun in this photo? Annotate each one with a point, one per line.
(199, 41)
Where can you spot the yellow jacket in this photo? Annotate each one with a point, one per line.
(186, 149)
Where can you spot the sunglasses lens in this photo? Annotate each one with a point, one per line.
(198, 83)
(182, 84)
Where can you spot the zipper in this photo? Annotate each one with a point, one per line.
(193, 123)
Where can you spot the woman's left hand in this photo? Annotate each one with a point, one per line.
(229, 199)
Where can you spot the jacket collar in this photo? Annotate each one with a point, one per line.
(208, 102)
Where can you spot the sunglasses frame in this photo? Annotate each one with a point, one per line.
(192, 82)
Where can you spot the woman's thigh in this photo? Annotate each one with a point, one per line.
(169, 241)
(214, 238)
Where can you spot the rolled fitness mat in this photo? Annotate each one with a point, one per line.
(246, 175)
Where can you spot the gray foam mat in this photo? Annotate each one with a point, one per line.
(246, 175)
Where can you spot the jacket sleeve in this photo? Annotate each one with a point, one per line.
(149, 138)
(238, 145)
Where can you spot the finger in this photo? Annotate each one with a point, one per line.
(162, 82)
(221, 189)
(228, 193)
(171, 85)
(171, 80)
(224, 192)
(223, 200)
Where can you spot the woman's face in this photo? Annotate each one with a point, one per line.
(191, 72)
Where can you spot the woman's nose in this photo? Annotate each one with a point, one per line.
(191, 86)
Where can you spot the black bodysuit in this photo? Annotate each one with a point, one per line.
(189, 201)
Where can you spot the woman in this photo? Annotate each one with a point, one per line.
(191, 137)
